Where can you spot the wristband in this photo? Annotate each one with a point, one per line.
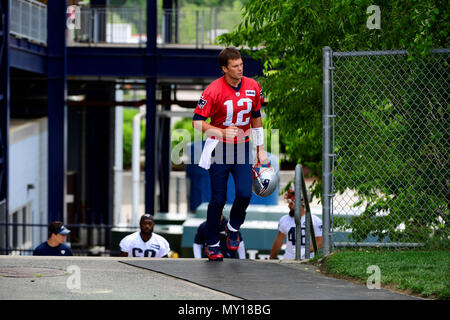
(258, 136)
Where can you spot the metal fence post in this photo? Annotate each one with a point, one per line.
(297, 217)
(307, 218)
(203, 28)
(140, 28)
(326, 130)
(178, 194)
(196, 29)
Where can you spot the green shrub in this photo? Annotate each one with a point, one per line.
(128, 115)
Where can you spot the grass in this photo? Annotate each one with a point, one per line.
(424, 273)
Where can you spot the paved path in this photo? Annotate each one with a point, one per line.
(105, 278)
(100, 279)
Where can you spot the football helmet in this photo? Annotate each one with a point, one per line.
(265, 180)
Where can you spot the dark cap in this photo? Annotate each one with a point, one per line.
(57, 227)
(63, 231)
(146, 216)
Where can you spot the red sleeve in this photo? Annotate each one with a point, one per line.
(205, 104)
(258, 98)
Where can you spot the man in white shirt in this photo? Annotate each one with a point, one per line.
(286, 227)
(144, 243)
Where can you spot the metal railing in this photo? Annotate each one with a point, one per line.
(301, 193)
(28, 19)
(110, 25)
(386, 147)
(197, 27)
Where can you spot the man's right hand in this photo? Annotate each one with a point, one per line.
(231, 132)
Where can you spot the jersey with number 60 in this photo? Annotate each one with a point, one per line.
(226, 106)
(155, 247)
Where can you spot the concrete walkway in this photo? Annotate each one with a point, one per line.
(100, 278)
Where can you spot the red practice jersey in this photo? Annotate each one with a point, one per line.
(226, 107)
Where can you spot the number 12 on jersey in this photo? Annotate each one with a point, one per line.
(240, 115)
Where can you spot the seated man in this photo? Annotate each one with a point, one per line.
(55, 245)
(287, 227)
(200, 240)
(144, 243)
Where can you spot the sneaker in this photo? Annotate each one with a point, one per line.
(233, 240)
(213, 253)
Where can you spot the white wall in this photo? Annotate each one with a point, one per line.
(28, 160)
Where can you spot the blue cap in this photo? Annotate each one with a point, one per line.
(62, 231)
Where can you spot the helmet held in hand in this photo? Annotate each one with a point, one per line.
(265, 181)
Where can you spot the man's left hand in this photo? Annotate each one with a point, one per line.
(261, 156)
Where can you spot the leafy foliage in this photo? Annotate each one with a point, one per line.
(128, 114)
(391, 144)
(289, 36)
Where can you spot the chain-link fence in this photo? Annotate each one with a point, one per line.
(389, 121)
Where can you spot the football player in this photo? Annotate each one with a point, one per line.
(144, 243)
(287, 227)
(233, 104)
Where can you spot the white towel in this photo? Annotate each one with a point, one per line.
(205, 158)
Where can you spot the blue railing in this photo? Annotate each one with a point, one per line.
(28, 20)
(124, 26)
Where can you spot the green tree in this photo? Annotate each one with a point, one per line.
(392, 146)
(128, 115)
(288, 37)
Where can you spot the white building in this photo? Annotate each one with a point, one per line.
(27, 199)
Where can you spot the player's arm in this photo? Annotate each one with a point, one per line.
(318, 243)
(123, 245)
(241, 250)
(276, 246)
(318, 233)
(197, 249)
(258, 139)
(165, 247)
(211, 131)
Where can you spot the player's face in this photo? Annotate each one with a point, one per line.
(147, 226)
(234, 69)
(291, 205)
(60, 238)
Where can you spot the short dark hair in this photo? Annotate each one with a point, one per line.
(226, 54)
(53, 227)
